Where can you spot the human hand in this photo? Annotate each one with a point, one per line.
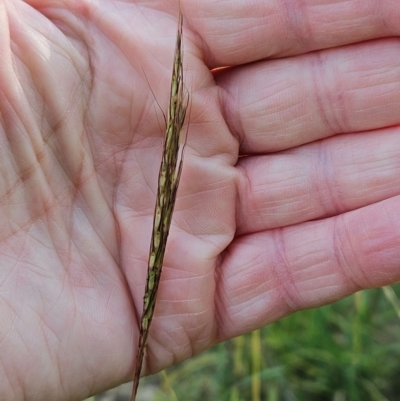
(308, 214)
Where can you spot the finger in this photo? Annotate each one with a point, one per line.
(318, 180)
(240, 32)
(267, 275)
(280, 104)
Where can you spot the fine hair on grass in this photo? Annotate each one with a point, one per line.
(168, 182)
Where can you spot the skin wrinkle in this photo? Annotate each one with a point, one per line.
(26, 171)
(119, 172)
(55, 237)
(319, 93)
(189, 345)
(287, 289)
(328, 190)
(91, 149)
(80, 183)
(105, 21)
(152, 358)
(86, 129)
(220, 318)
(21, 70)
(249, 13)
(9, 275)
(228, 111)
(340, 256)
(243, 187)
(386, 240)
(297, 21)
(56, 124)
(210, 139)
(53, 355)
(256, 202)
(390, 219)
(9, 193)
(6, 374)
(226, 323)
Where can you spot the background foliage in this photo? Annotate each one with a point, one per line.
(349, 350)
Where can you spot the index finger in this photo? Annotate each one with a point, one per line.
(238, 32)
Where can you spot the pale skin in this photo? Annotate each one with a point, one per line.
(309, 216)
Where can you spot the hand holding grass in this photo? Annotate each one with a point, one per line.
(308, 214)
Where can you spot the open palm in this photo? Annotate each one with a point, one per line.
(289, 197)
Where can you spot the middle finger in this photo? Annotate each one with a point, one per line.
(279, 104)
(318, 180)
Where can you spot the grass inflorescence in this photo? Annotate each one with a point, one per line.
(168, 182)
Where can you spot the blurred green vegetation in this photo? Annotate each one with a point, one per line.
(349, 350)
